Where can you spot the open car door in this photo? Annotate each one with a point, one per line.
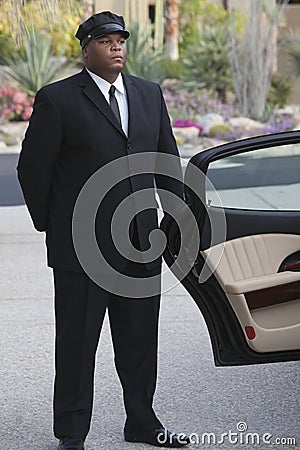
(246, 283)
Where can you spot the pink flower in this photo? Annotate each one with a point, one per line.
(18, 108)
(19, 97)
(183, 123)
(6, 112)
(15, 104)
(179, 123)
(27, 113)
(7, 91)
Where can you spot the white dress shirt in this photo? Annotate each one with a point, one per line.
(120, 95)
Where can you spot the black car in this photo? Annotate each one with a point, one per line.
(245, 278)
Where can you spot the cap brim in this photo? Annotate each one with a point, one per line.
(104, 30)
(125, 33)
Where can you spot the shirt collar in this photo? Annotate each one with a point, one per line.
(105, 85)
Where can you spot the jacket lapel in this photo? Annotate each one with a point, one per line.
(91, 90)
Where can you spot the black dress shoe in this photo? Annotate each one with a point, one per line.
(159, 437)
(68, 443)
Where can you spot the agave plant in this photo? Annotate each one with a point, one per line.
(35, 65)
(207, 62)
(143, 59)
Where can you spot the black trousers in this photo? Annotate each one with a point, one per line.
(80, 307)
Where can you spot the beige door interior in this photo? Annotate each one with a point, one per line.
(266, 302)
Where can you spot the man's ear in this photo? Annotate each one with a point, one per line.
(85, 51)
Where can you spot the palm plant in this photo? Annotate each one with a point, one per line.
(34, 65)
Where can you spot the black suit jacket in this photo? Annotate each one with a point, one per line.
(72, 133)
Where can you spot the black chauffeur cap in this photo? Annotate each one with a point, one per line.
(99, 25)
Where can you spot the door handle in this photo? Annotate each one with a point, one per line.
(293, 266)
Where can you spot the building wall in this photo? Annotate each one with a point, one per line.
(117, 6)
(136, 10)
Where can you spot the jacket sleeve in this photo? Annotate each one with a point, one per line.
(40, 149)
(167, 144)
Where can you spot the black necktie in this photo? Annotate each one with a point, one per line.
(114, 104)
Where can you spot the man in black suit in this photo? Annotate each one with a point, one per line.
(79, 125)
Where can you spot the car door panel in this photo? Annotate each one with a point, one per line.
(251, 300)
(258, 293)
(241, 223)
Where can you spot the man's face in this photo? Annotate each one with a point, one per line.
(106, 56)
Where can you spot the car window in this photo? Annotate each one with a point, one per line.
(265, 179)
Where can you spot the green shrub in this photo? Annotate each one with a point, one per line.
(220, 130)
(278, 96)
(193, 15)
(7, 44)
(143, 59)
(61, 29)
(173, 68)
(280, 90)
(207, 62)
(204, 43)
(292, 46)
(34, 66)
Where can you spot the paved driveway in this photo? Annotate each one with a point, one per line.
(192, 394)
